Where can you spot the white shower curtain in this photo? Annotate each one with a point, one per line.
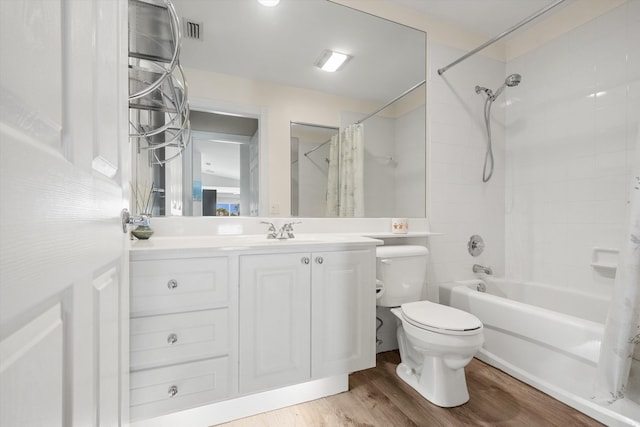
(622, 330)
(345, 184)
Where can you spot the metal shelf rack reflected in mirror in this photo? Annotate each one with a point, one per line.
(158, 98)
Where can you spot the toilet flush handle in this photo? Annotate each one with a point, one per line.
(379, 289)
(386, 260)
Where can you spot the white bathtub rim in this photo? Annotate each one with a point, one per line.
(586, 406)
(584, 346)
(472, 283)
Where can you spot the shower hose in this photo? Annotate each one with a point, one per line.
(488, 158)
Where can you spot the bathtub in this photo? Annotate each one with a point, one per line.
(547, 337)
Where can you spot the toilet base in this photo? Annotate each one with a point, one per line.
(444, 388)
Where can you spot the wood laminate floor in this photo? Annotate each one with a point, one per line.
(377, 397)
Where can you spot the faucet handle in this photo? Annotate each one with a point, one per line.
(288, 227)
(272, 230)
(270, 224)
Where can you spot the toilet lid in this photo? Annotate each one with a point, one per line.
(441, 318)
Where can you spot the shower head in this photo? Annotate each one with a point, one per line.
(513, 80)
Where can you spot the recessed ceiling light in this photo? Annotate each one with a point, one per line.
(331, 61)
(269, 3)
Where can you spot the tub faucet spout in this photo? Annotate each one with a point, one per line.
(477, 268)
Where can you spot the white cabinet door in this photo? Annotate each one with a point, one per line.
(63, 168)
(274, 330)
(343, 312)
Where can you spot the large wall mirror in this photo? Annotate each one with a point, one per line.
(261, 59)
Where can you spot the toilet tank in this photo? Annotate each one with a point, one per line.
(401, 273)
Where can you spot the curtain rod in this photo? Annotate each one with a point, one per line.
(314, 125)
(501, 35)
(316, 148)
(392, 101)
(363, 119)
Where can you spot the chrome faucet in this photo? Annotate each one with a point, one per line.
(285, 232)
(477, 268)
(288, 230)
(272, 234)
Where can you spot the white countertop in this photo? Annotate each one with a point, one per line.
(247, 242)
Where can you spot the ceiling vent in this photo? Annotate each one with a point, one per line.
(193, 29)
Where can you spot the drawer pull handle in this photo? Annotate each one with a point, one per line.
(172, 284)
(172, 339)
(319, 260)
(173, 390)
(305, 260)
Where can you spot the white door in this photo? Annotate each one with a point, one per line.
(63, 165)
(343, 312)
(274, 330)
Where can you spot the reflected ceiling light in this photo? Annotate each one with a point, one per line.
(269, 3)
(331, 61)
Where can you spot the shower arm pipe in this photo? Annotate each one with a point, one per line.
(501, 35)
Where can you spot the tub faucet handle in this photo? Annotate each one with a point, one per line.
(477, 268)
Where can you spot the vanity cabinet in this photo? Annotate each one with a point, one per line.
(179, 334)
(304, 316)
(220, 328)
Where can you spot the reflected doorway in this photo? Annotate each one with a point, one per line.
(309, 168)
(224, 165)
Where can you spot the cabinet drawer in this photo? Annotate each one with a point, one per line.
(175, 338)
(178, 285)
(164, 390)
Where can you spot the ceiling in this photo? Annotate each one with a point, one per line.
(488, 17)
(281, 44)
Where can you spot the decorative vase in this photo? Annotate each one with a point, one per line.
(142, 232)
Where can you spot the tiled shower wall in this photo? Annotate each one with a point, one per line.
(462, 205)
(571, 132)
(563, 161)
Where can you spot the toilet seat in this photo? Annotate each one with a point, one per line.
(440, 318)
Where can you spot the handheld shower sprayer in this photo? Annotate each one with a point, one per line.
(510, 81)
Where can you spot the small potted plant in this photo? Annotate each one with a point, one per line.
(144, 195)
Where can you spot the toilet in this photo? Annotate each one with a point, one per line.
(436, 341)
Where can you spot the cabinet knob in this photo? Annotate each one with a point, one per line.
(305, 260)
(173, 390)
(172, 339)
(319, 260)
(172, 284)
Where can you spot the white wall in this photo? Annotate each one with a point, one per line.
(408, 162)
(571, 134)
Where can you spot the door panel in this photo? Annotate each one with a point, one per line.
(343, 312)
(31, 367)
(63, 104)
(274, 330)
